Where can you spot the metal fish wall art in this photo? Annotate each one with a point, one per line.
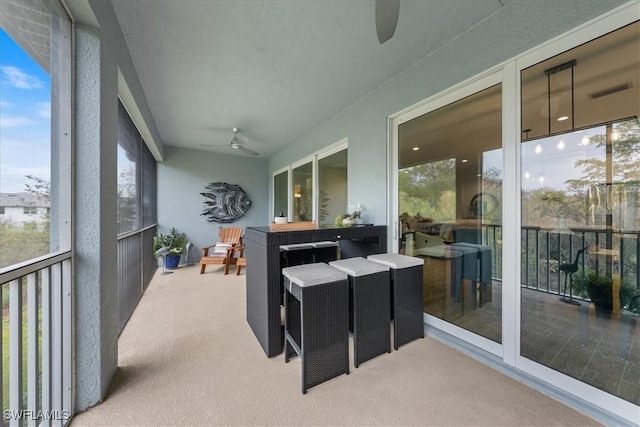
(224, 202)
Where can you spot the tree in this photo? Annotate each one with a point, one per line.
(18, 244)
(625, 172)
(423, 190)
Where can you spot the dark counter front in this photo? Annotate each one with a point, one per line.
(262, 251)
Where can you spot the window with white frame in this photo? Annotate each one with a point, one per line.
(314, 188)
(30, 210)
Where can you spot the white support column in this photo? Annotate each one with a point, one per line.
(95, 265)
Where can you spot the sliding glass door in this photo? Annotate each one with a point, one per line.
(449, 175)
(520, 189)
(580, 161)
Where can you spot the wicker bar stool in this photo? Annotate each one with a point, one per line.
(369, 307)
(325, 251)
(406, 296)
(296, 254)
(316, 328)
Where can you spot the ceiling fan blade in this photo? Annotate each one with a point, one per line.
(214, 145)
(387, 12)
(247, 150)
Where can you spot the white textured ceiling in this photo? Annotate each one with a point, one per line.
(276, 69)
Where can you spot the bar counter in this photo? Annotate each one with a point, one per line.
(262, 251)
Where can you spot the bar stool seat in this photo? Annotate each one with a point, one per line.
(325, 251)
(369, 307)
(406, 274)
(316, 327)
(296, 254)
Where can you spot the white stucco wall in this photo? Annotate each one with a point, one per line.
(17, 216)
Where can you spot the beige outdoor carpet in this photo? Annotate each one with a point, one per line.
(187, 357)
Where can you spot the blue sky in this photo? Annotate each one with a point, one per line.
(25, 118)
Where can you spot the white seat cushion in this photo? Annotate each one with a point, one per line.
(313, 274)
(442, 252)
(221, 248)
(396, 261)
(325, 244)
(296, 247)
(358, 266)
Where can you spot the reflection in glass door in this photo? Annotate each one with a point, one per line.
(281, 194)
(580, 291)
(332, 188)
(303, 192)
(449, 205)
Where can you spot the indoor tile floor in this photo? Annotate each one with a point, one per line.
(600, 349)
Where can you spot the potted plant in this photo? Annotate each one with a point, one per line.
(175, 242)
(347, 220)
(599, 289)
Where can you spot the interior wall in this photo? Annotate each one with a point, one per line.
(181, 179)
(517, 27)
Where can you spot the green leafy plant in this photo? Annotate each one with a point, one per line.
(599, 289)
(345, 220)
(175, 240)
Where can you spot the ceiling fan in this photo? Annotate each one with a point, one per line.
(387, 12)
(237, 142)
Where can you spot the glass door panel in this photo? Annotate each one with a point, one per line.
(303, 193)
(580, 246)
(449, 195)
(332, 188)
(281, 194)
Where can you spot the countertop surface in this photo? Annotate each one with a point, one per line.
(267, 229)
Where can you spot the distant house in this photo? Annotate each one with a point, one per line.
(25, 210)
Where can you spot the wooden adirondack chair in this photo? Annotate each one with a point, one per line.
(224, 251)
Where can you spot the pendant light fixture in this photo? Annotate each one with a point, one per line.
(565, 66)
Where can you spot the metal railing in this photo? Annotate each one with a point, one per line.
(136, 265)
(543, 250)
(37, 342)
